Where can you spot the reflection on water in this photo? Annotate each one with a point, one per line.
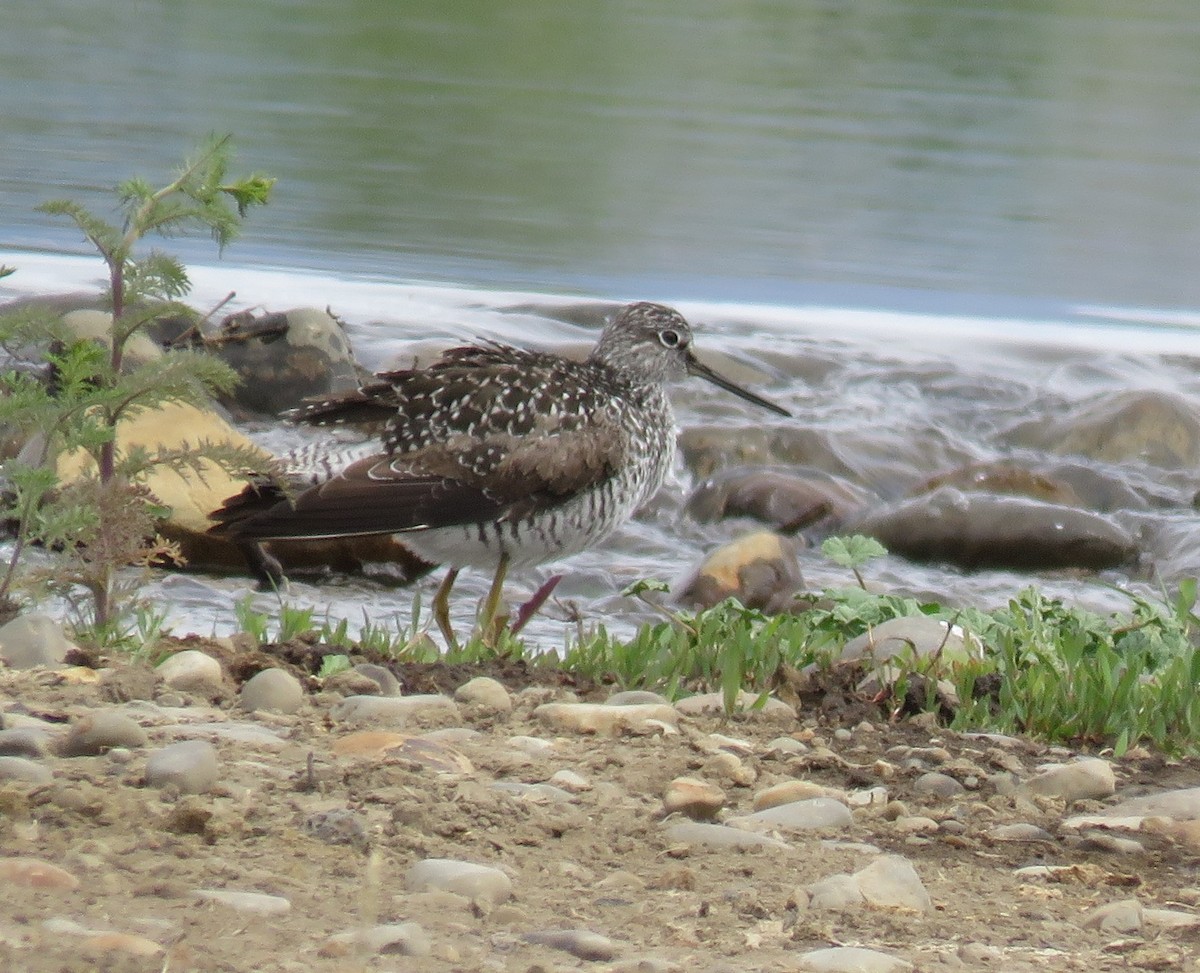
(655, 148)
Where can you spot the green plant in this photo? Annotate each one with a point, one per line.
(105, 518)
(853, 552)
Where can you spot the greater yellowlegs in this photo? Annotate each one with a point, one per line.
(494, 456)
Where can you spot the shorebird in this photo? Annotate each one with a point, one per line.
(493, 456)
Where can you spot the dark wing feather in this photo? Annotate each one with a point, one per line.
(486, 433)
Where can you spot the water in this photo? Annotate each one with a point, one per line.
(763, 151)
(913, 221)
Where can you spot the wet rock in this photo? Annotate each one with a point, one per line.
(284, 358)
(851, 959)
(484, 695)
(251, 903)
(1004, 477)
(37, 874)
(389, 939)
(1089, 778)
(693, 797)
(473, 881)
(101, 731)
(1143, 425)
(581, 943)
(397, 710)
(978, 530)
(33, 640)
(607, 720)
(787, 500)
(189, 766)
(273, 690)
(192, 671)
(816, 812)
(760, 570)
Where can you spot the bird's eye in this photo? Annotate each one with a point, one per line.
(670, 339)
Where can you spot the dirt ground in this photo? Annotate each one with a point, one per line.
(597, 857)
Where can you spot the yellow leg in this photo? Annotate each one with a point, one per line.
(441, 609)
(491, 604)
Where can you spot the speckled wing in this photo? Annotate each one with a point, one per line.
(485, 435)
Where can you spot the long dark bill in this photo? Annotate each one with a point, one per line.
(699, 369)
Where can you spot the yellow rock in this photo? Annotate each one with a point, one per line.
(173, 425)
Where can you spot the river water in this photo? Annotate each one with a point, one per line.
(912, 222)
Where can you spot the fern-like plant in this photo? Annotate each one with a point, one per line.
(105, 518)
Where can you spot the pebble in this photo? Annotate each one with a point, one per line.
(37, 874)
(851, 959)
(600, 718)
(34, 639)
(23, 769)
(383, 677)
(891, 882)
(396, 710)
(720, 836)
(391, 939)
(888, 882)
(100, 731)
(24, 741)
(1088, 779)
(484, 695)
(816, 812)
(568, 780)
(835, 892)
(933, 784)
(693, 797)
(121, 942)
(192, 671)
(789, 792)
(255, 903)
(635, 697)
(534, 746)
(537, 793)
(581, 943)
(713, 704)
(337, 826)
(274, 690)
(473, 881)
(1019, 832)
(246, 734)
(1125, 916)
(190, 766)
(1178, 805)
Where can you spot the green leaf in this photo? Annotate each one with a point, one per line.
(853, 551)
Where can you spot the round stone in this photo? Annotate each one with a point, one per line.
(191, 671)
(190, 766)
(273, 690)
